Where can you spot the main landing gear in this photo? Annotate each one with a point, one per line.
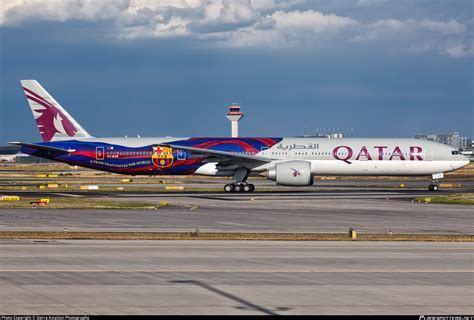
(239, 187)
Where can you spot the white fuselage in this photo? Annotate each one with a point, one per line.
(350, 156)
(344, 156)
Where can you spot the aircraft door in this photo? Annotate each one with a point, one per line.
(99, 153)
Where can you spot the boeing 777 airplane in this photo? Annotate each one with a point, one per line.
(288, 161)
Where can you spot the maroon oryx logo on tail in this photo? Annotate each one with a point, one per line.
(50, 120)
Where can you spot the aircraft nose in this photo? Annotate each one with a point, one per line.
(466, 161)
(460, 162)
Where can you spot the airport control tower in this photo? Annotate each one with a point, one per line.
(234, 115)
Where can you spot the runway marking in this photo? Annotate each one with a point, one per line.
(235, 271)
(232, 224)
(71, 195)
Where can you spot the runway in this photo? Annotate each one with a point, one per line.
(214, 277)
(366, 211)
(242, 277)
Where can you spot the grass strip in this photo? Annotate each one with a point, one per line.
(457, 198)
(77, 203)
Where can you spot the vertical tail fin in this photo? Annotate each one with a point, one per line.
(54, 122)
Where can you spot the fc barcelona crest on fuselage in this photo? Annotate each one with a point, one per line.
(162, 157)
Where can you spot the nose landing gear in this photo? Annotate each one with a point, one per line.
(434, 181)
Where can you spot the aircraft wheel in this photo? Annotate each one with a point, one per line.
(433, 187)
(252, 187)
(247, 188)
(238, 188)
(229, 188)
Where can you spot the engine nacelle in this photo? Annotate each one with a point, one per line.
(291, 173)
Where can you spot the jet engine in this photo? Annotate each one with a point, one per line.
(291, 173)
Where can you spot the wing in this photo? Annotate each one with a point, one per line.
(223, 156)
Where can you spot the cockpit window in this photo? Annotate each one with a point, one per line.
(455, 152)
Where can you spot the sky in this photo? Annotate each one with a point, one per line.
(172, 67)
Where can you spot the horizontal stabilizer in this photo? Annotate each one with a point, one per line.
(40, 147)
